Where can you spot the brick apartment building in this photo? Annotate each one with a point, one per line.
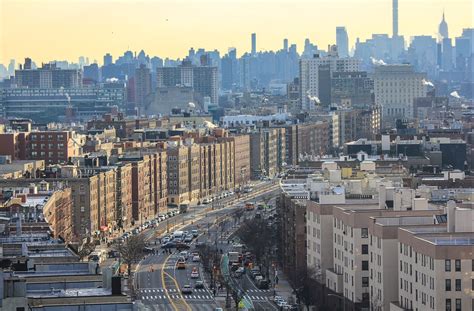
(53, 147)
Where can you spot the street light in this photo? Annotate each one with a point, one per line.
(342, 298)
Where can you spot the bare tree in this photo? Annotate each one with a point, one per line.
(207, 256)
(305, 286)
(259, 238)
(131, 251)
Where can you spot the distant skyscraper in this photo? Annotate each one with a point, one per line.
(285, 45)
(48, 76)
(342, 41)
(447, 54)
(315, 77)
(203, 79)
(395, 88)
(142, 86)
(11, 67)
(229, 68)
(254, 43)
(91, 72)
(27, 63)
(443, 29)
(108, 59)
(395, 17)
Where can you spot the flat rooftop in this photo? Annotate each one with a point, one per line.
(466, 239)
(77, 292)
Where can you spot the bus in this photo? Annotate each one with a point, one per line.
(249, 206)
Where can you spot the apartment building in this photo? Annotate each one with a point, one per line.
(267, 152)
(194, 178)
(124, 196)
(315, 77)
(178, 172)
(241, 159)
(383, 249)
(51, 146)
(149, 184)
(436, 268)
(292, 213)
(313, 138)
(395, 89)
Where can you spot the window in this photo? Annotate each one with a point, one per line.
(448, 285)
(458, 285)
(364, 233)
(365, 249)
(365, 265)
(457, 265)
(447, 265)
(458, 304)
(365, 281)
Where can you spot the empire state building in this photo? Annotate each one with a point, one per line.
(443, 29)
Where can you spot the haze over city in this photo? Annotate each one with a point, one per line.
(237, 155)
(67, 29)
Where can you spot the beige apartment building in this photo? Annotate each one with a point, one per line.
(267, 152)
(241, 159)
(58, 213)
(124, 196)
(384, 265)
(178, 173)
(436, 269)
(194, 178)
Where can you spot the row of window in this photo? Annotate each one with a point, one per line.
(50, 154)
(50, 146)
(43, 136)
(457, 265)
(457, 285)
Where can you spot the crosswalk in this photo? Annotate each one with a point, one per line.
(259, 290)
(155, 294)
(172, 293)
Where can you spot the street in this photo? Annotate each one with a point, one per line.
(158, 281)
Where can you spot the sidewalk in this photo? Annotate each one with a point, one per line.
(283, 288)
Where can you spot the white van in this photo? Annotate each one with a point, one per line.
(178, 235)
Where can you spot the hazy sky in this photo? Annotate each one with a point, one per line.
(67, 29)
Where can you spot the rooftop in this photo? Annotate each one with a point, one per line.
(76, 292)
(464, 239)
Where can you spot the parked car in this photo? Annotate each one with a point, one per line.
(207, 201)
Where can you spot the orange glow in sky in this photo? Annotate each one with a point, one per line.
(66, 29)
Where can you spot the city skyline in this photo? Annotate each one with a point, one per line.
(131, 27)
